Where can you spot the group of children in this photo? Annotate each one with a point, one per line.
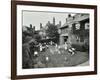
(67, 47)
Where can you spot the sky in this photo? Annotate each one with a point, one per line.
(36, 17)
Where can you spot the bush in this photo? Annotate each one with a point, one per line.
(80, 47)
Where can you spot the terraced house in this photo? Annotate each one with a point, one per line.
(75, 30)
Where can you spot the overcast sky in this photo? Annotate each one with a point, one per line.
(35, 18)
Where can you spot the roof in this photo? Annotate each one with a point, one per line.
(77, 18)
(64, 26)
(84, 17)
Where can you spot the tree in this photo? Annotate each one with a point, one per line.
(52, 32)
(37, 37)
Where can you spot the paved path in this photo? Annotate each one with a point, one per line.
(84, 64)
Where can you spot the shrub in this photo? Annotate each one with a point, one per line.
(80, 47)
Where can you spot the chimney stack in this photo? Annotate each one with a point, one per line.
(34, 28)
(53, 20)
(59, 23)
(69, 15)
(30, 25)
(40, 25)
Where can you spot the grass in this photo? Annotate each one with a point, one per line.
(63, 59)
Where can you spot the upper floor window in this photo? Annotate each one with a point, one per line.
(77, 26)
(86, 25)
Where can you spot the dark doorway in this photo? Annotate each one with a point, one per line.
(65, 38)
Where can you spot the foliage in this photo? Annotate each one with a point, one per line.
(52, 31)
(37, 37)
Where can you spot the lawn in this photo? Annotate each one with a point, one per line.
(52, 58)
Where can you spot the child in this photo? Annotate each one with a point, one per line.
(72, 50)
(66, 46)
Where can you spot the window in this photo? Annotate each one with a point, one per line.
(86, 25)
(77, 26)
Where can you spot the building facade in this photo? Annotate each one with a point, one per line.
(75, 30)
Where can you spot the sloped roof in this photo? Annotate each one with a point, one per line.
(75, 19)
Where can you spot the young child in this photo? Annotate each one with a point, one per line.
(72, 51)
(66, 46)
(70, 48)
